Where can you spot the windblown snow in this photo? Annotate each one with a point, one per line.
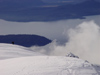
(18, 60)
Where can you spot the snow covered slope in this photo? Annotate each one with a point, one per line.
(12, 51)
(46, 65)
(18, 60)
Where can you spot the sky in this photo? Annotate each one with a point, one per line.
(83, 41)
(51, 30)
(76, 1)
(79, 36)
(59, 0)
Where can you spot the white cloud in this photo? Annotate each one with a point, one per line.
(51, 30)
(83, 35)
(84, 41)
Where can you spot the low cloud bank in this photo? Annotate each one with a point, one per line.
(83, 41)
(50, 30)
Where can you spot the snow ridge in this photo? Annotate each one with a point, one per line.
(13, 51)
(18, 60)
(46, 65)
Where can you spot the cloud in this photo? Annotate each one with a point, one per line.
(51, 30)
(83, 41)
(81, 36)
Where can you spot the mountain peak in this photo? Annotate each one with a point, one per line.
(46, 65)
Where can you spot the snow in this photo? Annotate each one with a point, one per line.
(12, 51)
(46, 65)
(18, 60)
(97, 68)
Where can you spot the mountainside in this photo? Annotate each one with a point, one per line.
(46, 65)
(18, 60)
(8, 51)
(25, 40)
(69, 11)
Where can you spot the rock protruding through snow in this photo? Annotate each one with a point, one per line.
(71, 55)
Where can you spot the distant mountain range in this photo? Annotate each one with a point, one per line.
(29, 12)
(25, 40)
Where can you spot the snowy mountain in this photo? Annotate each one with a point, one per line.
(13, 51)
(22, 61)
(46, 65)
